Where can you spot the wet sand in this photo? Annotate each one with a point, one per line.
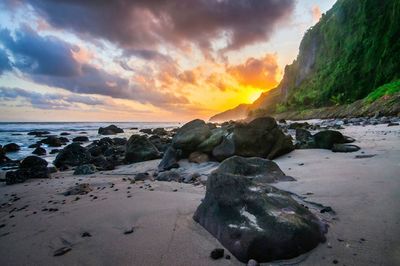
(364, 193)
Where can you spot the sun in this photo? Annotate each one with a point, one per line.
(253, 96)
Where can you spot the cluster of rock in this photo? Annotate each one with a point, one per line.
(30, 167)
(253, 219)
(201, 142)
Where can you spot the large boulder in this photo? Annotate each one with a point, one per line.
(3, 157)
(39, 151)
(30, 167)
(190, 135)
(214, 140)
(11, 147)
(345, 148)
(110, 130)
(225, 149)
(80, 139)
(254, 220)
(72, 155)
(261, 138)
(139, 149)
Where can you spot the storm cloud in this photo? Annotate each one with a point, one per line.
(143, 23)
(49, 60)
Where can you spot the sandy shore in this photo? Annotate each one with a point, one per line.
(363, 192)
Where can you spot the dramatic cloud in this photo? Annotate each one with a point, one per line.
(259, 73)
(144, 24)
(5, 63)
(53, 62)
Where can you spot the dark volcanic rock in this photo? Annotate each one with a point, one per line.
(254, 220)
(224, 150)
(38, 133)
(120, 141)
(80, 139)
(160, 131)
(146, 130)
(64, 134)
(110, 130)
(54, 151)
(39, 151)
(139, 149)
(72, 155)
(103, 164)
(261, 138)
(169, 176)
(52, 141)
(345, 148)
(85, 169)
(217, 253)
(190, 135)
(161, 143)
(170, 159)
(30, 167)
(214, 140)
(11, 147)
(325, 139)
(3, 157)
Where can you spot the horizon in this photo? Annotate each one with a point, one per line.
(149, 64)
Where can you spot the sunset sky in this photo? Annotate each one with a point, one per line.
(144, 60)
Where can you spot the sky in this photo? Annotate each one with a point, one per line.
(144, 60)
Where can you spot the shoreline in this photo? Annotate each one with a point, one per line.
(362, 192)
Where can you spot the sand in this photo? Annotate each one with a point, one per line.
(365, 194)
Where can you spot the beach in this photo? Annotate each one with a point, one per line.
(37, 219)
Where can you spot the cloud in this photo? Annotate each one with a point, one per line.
(51, 61)
(258, 73)
(316, 13)
(144, 25)
(58, 101)
(5, 64)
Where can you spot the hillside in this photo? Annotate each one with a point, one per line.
(350, 52)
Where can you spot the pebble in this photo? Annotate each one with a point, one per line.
(217, 253)
(130, 231)
(61, 251)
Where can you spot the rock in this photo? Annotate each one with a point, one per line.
(217, 253)
(214, 140)
(80, 189)
(253, 263)
(54, 151)
(142, 176)
(36, 145)
(198, 157)
(86, 234)
(161, 143)
(160, 131)
(39, 151)
(86, 169)
(303, 135)
(169, 176)
(38, 133)
(190, 135)
(64, 134)
(52, 141)
(72, 155)
(139, 149)
(170, 159)
(80, 139)
(325, 139)
(30, 167)
(11, 147)
(3, 157)
(259, 169)
(296, 125)
(61, 251)
(102, 163)
(120, 141)
(363, 156)
(110, 130)
(146, 130)
(63, 140)
(226, 149)
(129, 231)
(345, 148)
(261, 138)
(392, 124)
(254, 220)
(282, 121)
(95, 150)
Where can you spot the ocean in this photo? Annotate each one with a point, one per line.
(17, 132)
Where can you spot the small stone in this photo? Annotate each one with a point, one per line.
(228, 257)
(217, 253)
(86, 234)
(252, 263)
(61, 251)
(335, 261)
(326, 209)
(130, 231)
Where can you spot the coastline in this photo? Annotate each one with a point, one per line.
(362, 192)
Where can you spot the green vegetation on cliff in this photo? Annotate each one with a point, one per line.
(354, 49)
